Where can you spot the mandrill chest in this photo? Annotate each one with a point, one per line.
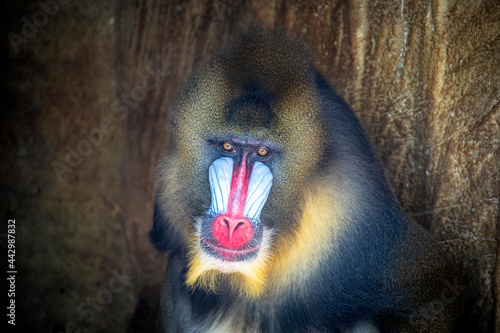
(224, 313)
(233, 322)
(264, 317)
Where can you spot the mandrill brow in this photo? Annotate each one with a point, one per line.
(275, 213)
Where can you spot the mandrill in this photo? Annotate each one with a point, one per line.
(276, 214)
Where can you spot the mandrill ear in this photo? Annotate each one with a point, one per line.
(158, 235)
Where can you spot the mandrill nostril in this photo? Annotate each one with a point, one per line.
(232, 233)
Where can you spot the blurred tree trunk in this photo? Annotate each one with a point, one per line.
(423, 77)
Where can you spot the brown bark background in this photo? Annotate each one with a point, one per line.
(422, 76)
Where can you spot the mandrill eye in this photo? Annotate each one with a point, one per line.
(227, 146)
(262, 151)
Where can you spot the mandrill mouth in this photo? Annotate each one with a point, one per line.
(226, 254)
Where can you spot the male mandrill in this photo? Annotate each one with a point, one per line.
(276, 214)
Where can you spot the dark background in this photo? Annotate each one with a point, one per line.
(423, 77)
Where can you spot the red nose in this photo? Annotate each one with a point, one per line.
(232, 232)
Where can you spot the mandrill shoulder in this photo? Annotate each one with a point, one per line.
(418, 263)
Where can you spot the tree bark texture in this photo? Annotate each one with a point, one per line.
(86, 97)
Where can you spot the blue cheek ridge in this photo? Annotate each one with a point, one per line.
(220, 174)
(259, 186)
(258, 190)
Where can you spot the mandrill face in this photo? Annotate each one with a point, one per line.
(232, 229)
(231, 237)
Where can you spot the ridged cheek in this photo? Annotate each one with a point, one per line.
(220, 174)
(259, 186)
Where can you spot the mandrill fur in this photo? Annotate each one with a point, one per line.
(275, 212)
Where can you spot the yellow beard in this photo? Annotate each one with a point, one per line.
(246, 278)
